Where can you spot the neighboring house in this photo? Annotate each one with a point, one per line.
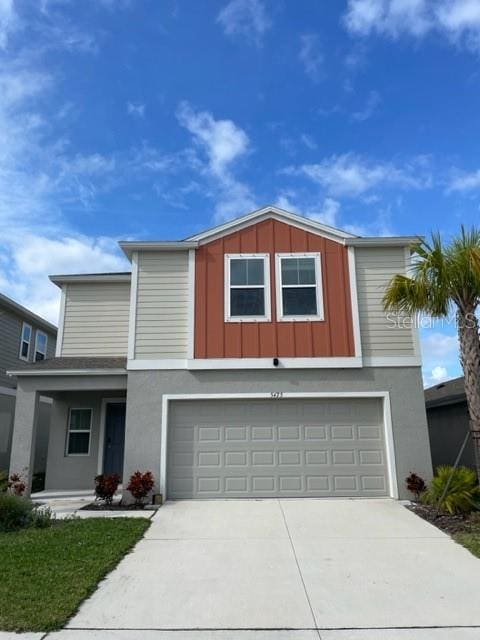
(24, 338)
(249, 360)
(448, 423)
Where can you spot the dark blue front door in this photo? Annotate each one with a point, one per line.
(114, 438)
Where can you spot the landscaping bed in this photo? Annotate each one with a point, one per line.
(118, 506)
(465, 529)
(47, 573)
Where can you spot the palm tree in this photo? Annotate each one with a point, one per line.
(446, 278)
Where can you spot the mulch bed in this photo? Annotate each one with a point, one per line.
(451, 524)
(117, 506)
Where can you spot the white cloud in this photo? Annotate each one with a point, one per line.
(371, 106)
(311, 56)
(457, 20)
(245, 19)
(327, 213)
(464, 181)
(308, 141)
(8, 21)
(352, 175)
(223, 143)
(439, 345)
(136, 109)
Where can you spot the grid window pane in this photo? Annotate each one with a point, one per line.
(27, 332)
(80, 419)
(78, 443)
(247, 302)
(41, 342)
(301, 301)
(246, 271)
(298, 271)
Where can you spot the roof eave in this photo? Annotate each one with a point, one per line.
(174, 245)
(19, 309)
(60, 280)
(383, 241)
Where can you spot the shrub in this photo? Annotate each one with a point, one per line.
(42, 517)
(106, 486)
(15, 512)
(415, 484)
(3, 481)
(140, 485)
(462, 494)
(16, 484)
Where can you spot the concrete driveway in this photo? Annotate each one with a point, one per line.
(312, 568)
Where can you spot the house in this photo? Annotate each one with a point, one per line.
(253, 359)
(24, 338)
(448, 423)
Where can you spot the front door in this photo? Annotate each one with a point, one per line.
(114, 438)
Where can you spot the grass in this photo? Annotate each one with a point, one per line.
(46, 573)
(471, 541)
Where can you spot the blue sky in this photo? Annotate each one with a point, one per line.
(155, 119)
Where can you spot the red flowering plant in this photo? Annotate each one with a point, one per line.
(16, 484)
(415, 484)
(140, 485)
(106, 485)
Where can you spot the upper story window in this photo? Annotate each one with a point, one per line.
(299, 287)
(247, 288)
(41, 340)
(25, 341)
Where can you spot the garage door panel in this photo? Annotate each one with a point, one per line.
(283, 448)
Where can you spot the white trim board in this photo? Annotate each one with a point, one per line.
(67, 372)
(266, 213)
(61, 321)
(244, 363)
(191, 304)
(132, 318)
(352, 272)
(273, 395)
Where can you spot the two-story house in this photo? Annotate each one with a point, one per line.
(253, 359)
(24, 338)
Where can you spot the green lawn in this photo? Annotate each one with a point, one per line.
(46, 573)
(471, 541)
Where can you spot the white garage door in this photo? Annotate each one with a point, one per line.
(285, 448)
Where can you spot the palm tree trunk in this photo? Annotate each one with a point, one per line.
(470, 357)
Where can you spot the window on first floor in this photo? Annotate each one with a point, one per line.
(41, 341)
(299, 287)
(247, 294)
(25, 341)
(79, 432)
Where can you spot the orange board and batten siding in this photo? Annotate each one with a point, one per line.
(215, 338)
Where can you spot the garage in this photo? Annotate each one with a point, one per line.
(285, 447)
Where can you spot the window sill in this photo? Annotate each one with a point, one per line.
(250, 319)
(302, 319)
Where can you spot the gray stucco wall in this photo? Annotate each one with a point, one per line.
(74, 472)
(7, 414)
(145, 390)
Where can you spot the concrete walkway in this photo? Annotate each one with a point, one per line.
(286, 570)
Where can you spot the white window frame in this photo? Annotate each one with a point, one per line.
(27, 357)
(37, 350)
(267, 317)
(320, 316)
(69, 431)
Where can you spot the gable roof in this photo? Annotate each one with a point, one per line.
(254, 217)
(266, 213)
(26, 314)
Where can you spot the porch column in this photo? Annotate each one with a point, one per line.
(23, 437)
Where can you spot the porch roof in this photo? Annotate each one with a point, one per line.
(74, 366)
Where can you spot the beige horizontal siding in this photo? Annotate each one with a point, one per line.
(161, 329)
(96, 319)
(375, 267)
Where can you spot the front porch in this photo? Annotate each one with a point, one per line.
(87, 429)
